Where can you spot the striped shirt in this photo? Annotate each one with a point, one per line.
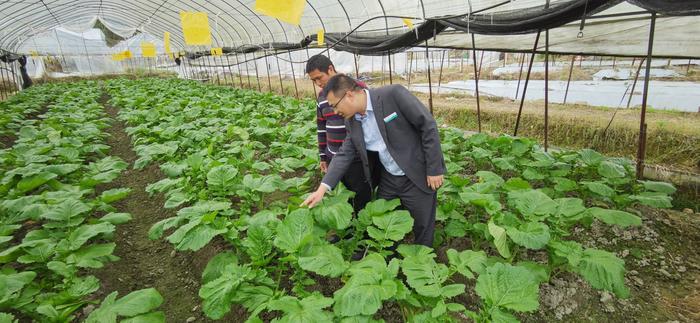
(330, 127)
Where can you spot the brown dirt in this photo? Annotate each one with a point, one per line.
(145, 263)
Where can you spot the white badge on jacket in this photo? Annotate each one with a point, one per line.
(390, 117)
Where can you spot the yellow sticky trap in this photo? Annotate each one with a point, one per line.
(195, 28)
(148, 49)
(289, 11)
(172, 56)
(166, 42)
(121, 56)
(321, 38)
(34, 53)
(217, 51)
(408, 23)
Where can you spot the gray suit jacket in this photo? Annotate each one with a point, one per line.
(411, 137)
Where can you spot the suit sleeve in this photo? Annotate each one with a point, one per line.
(417, 115)
(341, 161)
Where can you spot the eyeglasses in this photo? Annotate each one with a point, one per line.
(335, 106)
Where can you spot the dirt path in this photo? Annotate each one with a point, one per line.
(145, 263)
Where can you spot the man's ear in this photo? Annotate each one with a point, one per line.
(331, 68)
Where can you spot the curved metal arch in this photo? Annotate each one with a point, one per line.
(14, 42)
(175, 27)
(244, 28)
(27, 11)
(346, 14)
(17, 44)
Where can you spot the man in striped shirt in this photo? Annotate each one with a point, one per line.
(331, 133)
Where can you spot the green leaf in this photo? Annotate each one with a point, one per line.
(572, 251)
(425, 275)
(603, 270)
(621, 218)
(153, 317)
(68, 211)
(194, 235)
(532, 204)
(563, 184)
(653, 199)
(375, 208)
(590, 157)
(83, 233)
(294, 231)
(308, 309)
(599, 188)
(508, 287)
(88, 257)
(500, 239)
(569, 208)
(138, 302)
(371, 283)
(217, 266)
(490, 177)
(7, 318)
(467, 261)
(176, 199)
(336, 216)
(116, 218)
(218, 294)
(609, 169)
(391, 226)
(12, 284)
(325, 260)
(113, 195)
(539, 271)
(222, 178)
(258, 242)
(531, 235)
(30, 183)
(660, 187)
(516, 184)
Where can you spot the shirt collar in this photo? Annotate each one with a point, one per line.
(369, 108)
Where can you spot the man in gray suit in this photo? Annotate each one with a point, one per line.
(395, 125)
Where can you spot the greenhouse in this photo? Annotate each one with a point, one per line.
(350, 161)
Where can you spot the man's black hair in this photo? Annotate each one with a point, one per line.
(318, 62)
(340, 83)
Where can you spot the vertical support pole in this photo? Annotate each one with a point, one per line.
(410, 67)
(430, 82)
(476, 84)
(520, 75)
(642, 122)
(267, 69)
(257, 77)
(614, 59)
(461, 61)
(481, 61)
(87, 55)
(383, 76)
(546, 90)
(391, 70)
(279, 73)
(228, 66)
(527, 80)
(294, 76)
(634, 84)
(687, 70)
(247, 70)
(357, 67)
(240, 73)
(442, 62)
(571, 69)
(3, 93)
